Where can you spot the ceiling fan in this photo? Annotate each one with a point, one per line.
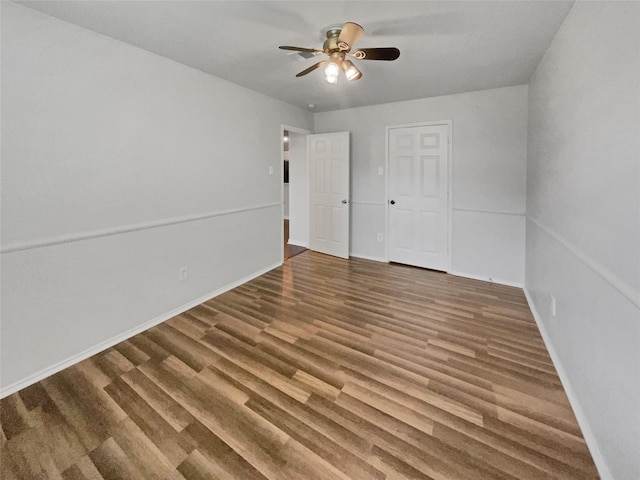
(340, 40)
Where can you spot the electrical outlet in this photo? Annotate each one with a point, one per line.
(380, 171)
(183, 273)
(270, 169)
(379, 237)
(553, 306)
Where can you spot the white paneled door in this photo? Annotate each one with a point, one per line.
(329, 193)
(418, 196)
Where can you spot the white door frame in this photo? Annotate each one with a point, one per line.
(301, 131)
(449, 124)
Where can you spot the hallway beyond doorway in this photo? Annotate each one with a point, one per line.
(290, 250)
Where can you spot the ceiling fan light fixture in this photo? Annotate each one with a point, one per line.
(350, 70)
(331, 72)
(338, 45)
(332, 69)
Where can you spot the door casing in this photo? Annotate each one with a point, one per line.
(301, 131)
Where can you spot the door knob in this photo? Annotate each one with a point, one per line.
(344, 201)
(392, 202)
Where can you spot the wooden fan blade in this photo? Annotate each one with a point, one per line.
(311, 68)
(386, 53)
(349, 35)
(300, 49)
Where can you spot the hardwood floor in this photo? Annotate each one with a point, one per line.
(320, 369)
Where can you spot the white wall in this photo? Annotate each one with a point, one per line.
(298, 190)
(119, 167)
(489, 165)
(583, 222)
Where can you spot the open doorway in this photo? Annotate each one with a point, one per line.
(295, 191)
(289, 249)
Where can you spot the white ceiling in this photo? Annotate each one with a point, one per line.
(446, 46)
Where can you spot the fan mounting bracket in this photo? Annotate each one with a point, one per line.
(331, 30)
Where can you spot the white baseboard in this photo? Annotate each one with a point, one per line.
(366, 257)
(487, 279)
(53, 369)
(587, 433)
(297, 243)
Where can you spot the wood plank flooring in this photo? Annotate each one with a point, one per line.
(320, 369)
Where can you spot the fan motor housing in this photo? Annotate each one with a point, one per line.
(331, 43)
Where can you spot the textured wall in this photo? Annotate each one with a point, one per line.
(583, 221)
(120, 167)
